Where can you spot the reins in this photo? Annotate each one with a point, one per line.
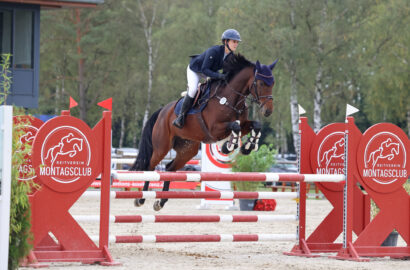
(255, 97)
(224, 101)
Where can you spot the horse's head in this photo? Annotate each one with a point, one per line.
(389, 147)
(246, 78)
(262, 87)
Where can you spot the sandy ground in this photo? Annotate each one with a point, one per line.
(239, 255)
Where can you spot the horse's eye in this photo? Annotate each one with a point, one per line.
(262, 83)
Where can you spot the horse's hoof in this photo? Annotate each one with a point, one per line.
(225, 149)
(256, 148)
(247, 148)
(138, 203)
(157, 206)
(246, 151)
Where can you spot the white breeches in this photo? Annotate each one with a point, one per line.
(193, 80)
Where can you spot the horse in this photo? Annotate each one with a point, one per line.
(387, 150)
(68, 145)
(223, 120)
(337, 151)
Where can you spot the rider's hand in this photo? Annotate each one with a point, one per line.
(222, 76)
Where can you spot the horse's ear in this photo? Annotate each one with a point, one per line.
(258, 65)
(273, 64)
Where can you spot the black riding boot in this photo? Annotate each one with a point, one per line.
(186, 105)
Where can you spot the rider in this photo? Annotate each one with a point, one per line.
(208, 63)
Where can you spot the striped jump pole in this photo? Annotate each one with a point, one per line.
(223, 176)
(200, 238)
(132, 160)
(206, 176)
(189, 218)
(194, 195)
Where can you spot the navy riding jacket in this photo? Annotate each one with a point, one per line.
(209, 62)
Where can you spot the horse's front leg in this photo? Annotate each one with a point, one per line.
(252, 143)
(233, 141)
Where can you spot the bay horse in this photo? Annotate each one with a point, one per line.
(224, 120)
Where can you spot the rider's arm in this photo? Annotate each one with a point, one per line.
(210, 57)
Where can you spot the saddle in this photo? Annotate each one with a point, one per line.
(201, 99)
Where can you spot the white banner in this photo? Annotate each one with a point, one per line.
(6, 127)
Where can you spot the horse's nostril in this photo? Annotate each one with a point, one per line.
(268, 112)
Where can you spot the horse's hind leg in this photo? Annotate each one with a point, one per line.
(185, 151)
(157, 156)
(159, 152)
(140, 202)
(160, 203)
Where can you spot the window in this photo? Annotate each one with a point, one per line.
(19, 36)
(5, 31)
(24, 38)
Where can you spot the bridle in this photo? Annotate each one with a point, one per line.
(255, 97)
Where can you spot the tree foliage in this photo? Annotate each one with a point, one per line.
(330, 53)
(20, 212)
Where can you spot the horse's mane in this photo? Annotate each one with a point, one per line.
(234, 64)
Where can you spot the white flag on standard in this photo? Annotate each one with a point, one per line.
(350, 110)
(301, 110)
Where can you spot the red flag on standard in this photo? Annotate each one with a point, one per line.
(106, 104)
(73, 103)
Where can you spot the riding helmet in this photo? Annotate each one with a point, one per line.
(231, 34)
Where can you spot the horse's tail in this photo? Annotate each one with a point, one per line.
(145, 146)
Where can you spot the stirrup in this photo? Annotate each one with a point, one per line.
(179, 123)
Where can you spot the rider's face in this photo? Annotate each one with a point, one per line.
(233, 44)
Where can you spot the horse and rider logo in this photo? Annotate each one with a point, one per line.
(26, 171)
(387, 150)
(65, 156)
(68, 145)
(27, 126)
(335, 153)
(382, 156)
(28, 137)
(330, 154)
(385, 158)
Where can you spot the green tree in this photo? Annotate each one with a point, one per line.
(330, 53)
(150, 16)
(77, 59)
(385, 63)
(20, 212)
